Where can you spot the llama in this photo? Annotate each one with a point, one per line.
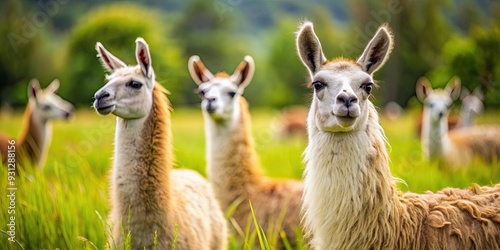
(472, 105)
(43, 106)
(291, 122)
(350, 199)
(148, 197)
(233, 167)
(457, 147)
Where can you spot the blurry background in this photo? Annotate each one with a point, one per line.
(51, 39)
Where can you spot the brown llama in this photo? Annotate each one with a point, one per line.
(233, 167)
(43, 106)
(148, 197)
(350, 198)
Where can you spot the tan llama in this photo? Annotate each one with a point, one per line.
(148, 197)
(350, 198)
(457, 147)
(233, 166)
(43, 106)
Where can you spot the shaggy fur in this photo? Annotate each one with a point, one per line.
(233, 165)
(147, 196)
(34, 140)
(350, 199)
(457, 147)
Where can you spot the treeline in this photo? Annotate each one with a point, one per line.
(55, 39)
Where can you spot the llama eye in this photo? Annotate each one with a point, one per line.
(46, 107)
(430, 105)
(201, 92)
(318, 85)
(367, 87)
(231, 94)
(135, 84)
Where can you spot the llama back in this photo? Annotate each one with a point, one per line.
(483, 141)
(197, 206)
(459, 218)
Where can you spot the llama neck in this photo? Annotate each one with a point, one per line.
(466, 117)
(143, 157)
(434, 136)
(35, 136)
(347, 184)
(232, 160)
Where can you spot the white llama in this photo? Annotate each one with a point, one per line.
(350, 199)
(33, 143)
(472, 105)
(148, 197)
(233, 167)
(457, 147)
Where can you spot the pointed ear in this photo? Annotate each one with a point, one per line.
(244, 72)
(33, 88)
(377, 51)
(198, 71)
(478, 93)
(108, 60)
(144, 58)
(424, 88)
(464, 93)
(53, 86)
(453, 87)
(309, 48)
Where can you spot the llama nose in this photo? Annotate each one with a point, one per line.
(210, 105)
(101, 94)
(346, 99)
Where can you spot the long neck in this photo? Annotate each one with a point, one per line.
(143, 157)
(434, 135)
(347, 185)
(232, 160)
(35, 136)
(466, 117)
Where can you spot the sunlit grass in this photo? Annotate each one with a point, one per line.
(60, 206)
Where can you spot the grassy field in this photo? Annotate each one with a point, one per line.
(62, 205)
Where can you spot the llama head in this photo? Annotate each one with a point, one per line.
(341, 87)
(220, 93)
(437, 103)
(472, 102)
(128, 91)
(48, 105)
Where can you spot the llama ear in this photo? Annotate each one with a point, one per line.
(424, 88)
(478, 93)
(53, 86)
(464, 93)
(244, 72)
(144, 58)
(453, 88)
(309, 48)
(377, 51)
(198, 71)
(33, 88)
(108, 60)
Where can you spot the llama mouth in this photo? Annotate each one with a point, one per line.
(105, 110)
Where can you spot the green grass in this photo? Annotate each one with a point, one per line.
(62, 205)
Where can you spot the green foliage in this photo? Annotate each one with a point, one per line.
(23, 53)
(117, 26)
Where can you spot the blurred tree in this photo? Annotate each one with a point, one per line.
(24, 51)
(206, 30)
(117, 26)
